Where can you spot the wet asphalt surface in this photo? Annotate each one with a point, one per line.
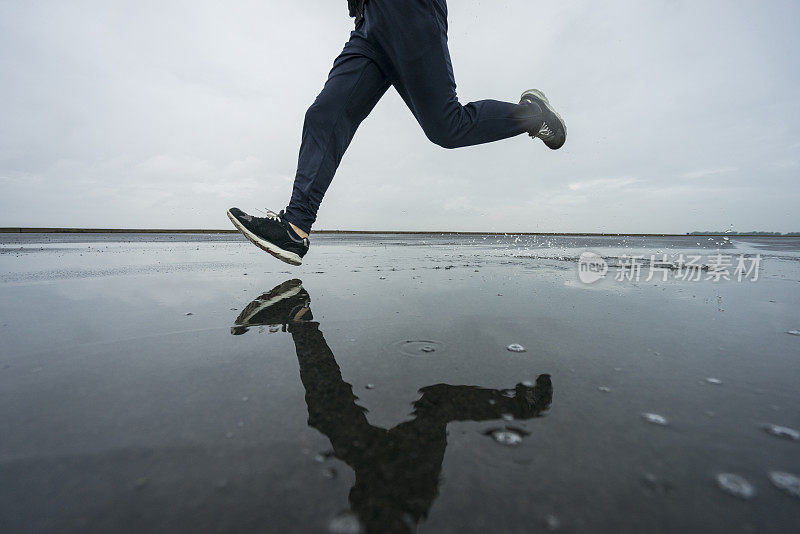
(176, 383)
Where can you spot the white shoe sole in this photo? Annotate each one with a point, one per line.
(266, 246)
(537, 93)
(263, 304)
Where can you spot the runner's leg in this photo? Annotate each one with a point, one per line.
(354, 86)
(413, 35)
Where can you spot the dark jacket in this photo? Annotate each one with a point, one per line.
(356, 9)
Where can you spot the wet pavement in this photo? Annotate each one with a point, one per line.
(397, 383)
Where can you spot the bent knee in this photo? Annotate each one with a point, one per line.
(442, 138)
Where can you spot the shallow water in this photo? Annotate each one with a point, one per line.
(154, 383)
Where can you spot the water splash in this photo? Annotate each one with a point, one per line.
(604, 389)
(655, 419)
(516, 347)
(794, 332)
(786, 482)
(715, 381)
(735, 485)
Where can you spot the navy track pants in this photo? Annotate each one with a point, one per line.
(400, 43)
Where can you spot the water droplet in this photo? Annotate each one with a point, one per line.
(506, 437)
(245, 399)
(382, 278)
(783, 432)
(715, 381)
(507, 417)
(604, 389)
(329, 473)
(188, 313)
(552, 522)
(735, 485)
(273, 329)
(794, 332)
(428, 348)
(786, 482)
(370, 386)
(516, 347)
(345, 523)
(527, 383)
(655, 419)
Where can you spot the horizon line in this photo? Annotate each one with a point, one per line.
(67, 230)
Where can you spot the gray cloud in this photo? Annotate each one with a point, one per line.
(682, 116)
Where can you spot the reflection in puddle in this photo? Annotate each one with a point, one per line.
(397, 470)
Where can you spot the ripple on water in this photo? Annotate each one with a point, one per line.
(794, 332)
(735, 485)
(782, 432)
(655, 419)
(516, 347)
(786, 482)
(419, 347)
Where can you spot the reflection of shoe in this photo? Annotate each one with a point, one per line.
(552, 131)
(270, 233)
(285, 304)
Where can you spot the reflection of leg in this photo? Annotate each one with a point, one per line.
(403, 481)
(332, 407)
(354, 86)
(469, 403)
(414, 37)
(399, 491)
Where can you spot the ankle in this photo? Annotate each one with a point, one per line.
(298, 231)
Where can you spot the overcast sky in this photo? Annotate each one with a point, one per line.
(682, 115)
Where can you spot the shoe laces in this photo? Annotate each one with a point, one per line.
(545, 131)
(269, 214)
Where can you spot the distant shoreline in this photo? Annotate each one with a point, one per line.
(22, 230)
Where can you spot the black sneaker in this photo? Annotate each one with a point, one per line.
(271, 234)
(553, 131)
(283, 305)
